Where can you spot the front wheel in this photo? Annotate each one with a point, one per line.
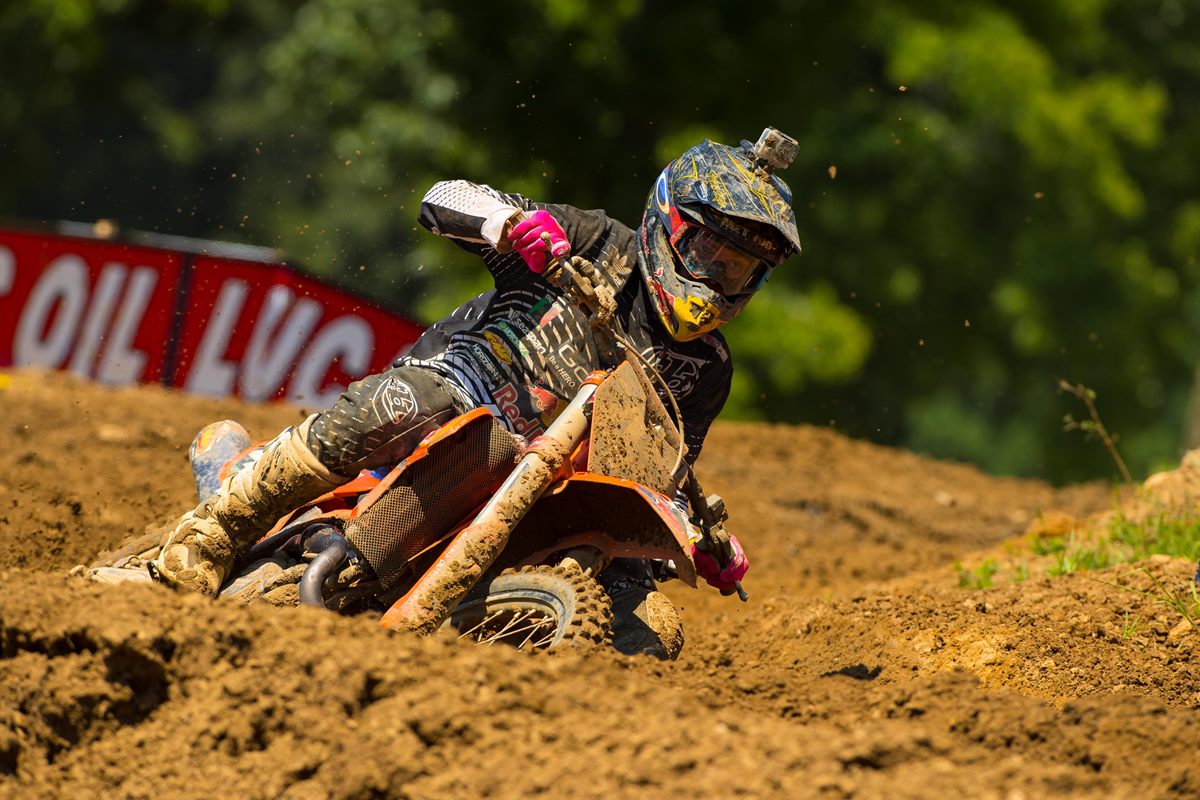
(535, 608)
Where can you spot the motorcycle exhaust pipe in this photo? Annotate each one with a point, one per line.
(332, 549)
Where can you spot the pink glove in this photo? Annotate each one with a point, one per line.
(526, 238)
(722, 578)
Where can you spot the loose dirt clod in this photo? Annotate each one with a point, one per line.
(860, 668)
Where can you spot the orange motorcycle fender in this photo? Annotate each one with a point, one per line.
(619, 517)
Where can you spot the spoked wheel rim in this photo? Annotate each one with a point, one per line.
(525, 618)
(535, 608)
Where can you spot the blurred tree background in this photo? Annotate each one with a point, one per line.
(992, 196)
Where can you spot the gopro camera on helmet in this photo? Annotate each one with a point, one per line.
(774, 150)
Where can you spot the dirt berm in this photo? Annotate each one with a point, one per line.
(859, 668)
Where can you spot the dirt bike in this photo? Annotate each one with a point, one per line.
(484, 533)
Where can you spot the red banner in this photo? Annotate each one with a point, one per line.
(209, 318)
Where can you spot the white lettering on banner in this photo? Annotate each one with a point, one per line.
(64, 284)
(211, 374)
(348, 340)
(263, 370)
(8, 270)
(95, 325)
(121, 364)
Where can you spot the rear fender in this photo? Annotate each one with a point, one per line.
(353, 498)
(621, 518)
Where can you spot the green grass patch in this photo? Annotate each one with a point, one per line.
(978, 578)
(1121, 540)
(1169, 534)
(1185, 603)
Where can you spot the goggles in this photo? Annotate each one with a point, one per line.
(715, 260)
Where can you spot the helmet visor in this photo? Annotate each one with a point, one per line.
(718, 262)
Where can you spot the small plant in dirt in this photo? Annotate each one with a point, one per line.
(978, 578)
(1131, 625)
(1079, 553)
(1184, 602)
(1093, 426)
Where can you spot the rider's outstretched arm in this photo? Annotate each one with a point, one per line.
(474, 215)
(478, 218)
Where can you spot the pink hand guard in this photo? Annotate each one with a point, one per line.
(526, 238)
(722, 577)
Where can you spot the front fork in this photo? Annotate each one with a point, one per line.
(714, 538)
(476, 547)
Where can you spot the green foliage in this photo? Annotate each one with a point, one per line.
(1131, 625)
(1076, 555)
(1166, 533)
(990, 195)
(1123, 541)
(1185, 603)
(787, 339)
(978, 578)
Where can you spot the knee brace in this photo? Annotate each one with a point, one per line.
(380, 419)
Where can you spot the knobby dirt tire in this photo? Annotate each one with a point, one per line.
(579, 603)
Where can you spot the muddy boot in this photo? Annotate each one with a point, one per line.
(200, 552)
(645, 622)
(125, 563)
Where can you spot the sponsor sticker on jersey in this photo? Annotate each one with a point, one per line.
(715, 344)
(499, 348)
(485, 361)
(513, 339)
(571, 366)
(550, 315)
(534, 335)
(548, 403)
(507, 397)
(540, 306)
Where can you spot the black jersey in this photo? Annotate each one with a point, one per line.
(522, 349)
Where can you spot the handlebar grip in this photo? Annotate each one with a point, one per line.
(560, 250)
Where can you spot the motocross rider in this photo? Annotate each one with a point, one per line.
(715, 225)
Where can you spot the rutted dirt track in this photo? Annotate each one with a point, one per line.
(858, 669)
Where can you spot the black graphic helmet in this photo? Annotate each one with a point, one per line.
(715, 226)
